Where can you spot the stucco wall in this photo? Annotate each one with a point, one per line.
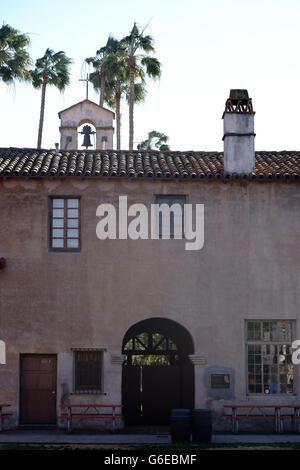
(51, 302)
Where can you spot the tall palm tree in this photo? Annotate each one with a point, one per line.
(155, 139)
(115, 91)
(149, 66)
(14, 58)
(51, 69)
(117, 86)
(102, 60)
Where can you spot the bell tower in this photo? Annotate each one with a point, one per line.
(86, 112)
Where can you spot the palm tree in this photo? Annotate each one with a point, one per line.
(101, 62)
(51, 69)
(156, 139)
(115, 92)
(117, 86)
(131, 45)
(14, 58)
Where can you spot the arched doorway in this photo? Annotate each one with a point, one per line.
(157, 374)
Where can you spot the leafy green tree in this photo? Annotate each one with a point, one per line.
(155, 139)
(14, 58)
(51, 69)
(136, 49)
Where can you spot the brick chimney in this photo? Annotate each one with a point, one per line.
(239, 156)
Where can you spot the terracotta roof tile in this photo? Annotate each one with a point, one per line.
(207, 166)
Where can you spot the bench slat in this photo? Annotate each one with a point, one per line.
(91, 417)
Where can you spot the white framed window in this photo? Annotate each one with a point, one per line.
(269, 357)
(64, 224)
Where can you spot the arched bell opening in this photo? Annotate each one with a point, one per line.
(86, 135)
(157, 373)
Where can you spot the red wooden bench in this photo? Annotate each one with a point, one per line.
(3, 415)
(87, 414)
(235, 417)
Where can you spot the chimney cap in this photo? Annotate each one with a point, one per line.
(238, 103)
(239, 95)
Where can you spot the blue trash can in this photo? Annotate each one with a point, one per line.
(201, 425)
(180, 421)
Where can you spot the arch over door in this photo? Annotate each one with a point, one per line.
(157, 373)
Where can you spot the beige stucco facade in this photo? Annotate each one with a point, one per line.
(248, 268)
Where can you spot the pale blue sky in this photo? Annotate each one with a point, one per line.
(205, 47)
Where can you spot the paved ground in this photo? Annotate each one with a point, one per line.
(76, 438)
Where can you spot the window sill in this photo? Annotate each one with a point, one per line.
(89, 392)
(272, 395)
(64, 250)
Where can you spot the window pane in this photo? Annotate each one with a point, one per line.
(58, 202)
(57, 243)
(59, 223)
(285, 331)
(72, 243)
(266, 331)
(58, 212)
(254, 331)
(73, 223)
(72, 212)
(73, 233)
(73, 203)
(58, 233)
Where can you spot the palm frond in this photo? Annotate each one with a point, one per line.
(54, 66)
(14, 58)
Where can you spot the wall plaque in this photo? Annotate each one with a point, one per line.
(220, 381)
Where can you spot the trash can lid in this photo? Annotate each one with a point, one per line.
(180, 411)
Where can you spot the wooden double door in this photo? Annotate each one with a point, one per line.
(151, 392)
(38, 374)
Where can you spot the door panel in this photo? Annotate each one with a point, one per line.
(160, 393)
(131, 394)
(38, 389)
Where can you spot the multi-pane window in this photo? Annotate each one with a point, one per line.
(170, 216)
(88, 370)
(64, 224)
(269, 357)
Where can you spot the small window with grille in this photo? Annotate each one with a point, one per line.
(88, 371)
(64, 224)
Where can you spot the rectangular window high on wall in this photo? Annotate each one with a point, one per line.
(269, 357)
(88, 370)
(65, 224)
(170, 216)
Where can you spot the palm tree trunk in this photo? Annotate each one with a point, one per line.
(118, 115)
(131, 99)
(102, 86)
(42, 112)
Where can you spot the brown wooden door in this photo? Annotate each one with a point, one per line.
(38, 389)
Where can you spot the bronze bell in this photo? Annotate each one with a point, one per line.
(87, 132)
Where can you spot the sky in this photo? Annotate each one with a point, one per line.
(205, 47)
